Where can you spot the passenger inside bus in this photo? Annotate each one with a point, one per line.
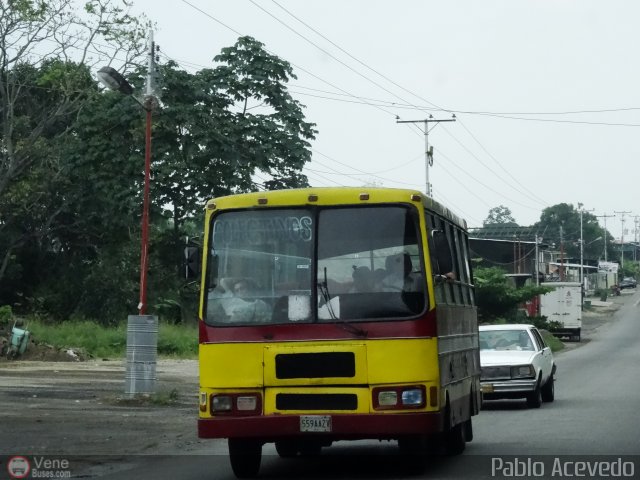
(245, 306)
(398, 277)
(363, 280)
(239, 303)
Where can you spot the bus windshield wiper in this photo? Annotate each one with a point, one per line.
(344, 324)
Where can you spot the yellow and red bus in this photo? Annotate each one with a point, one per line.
(332, 314)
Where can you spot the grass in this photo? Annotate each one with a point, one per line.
(177, 341)
(554, 343)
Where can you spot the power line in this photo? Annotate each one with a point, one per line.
(486, 166)
(533, 195)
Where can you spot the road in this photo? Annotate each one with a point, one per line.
(595, 413)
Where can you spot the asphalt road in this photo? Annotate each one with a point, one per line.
(595, 413)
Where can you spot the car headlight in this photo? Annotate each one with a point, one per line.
(523, 371)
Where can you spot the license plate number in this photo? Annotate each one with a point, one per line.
(315, 423)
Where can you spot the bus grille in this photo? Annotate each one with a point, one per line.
(315, 365)
(316, 401)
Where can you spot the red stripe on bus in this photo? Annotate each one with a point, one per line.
(424, 326)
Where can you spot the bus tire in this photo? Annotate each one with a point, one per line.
(245, 456)
(310, 448)
(413, 450)
(454, 440)
(286, 448)
(468, 430)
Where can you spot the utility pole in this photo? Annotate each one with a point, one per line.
(622, 239)
(428, 154)
(582, 210)
(537, 263)
(582, 285)
(150, 102)
(636, 220)
(561, 256)
(606, 233)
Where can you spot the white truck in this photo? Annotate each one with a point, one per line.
(563, 305)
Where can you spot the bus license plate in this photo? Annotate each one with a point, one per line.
(315, 423)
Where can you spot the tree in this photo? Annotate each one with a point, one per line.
(47, 49)
(568, 217)
(496, 298)
(215, 130)
(500, 215)
(219, 127)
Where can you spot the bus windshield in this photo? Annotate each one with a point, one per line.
(314, 265)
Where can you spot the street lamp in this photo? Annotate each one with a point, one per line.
(142, 329)
(113, 80)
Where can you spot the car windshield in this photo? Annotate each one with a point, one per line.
(505, 340)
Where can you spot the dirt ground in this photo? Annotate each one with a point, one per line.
(78, 408)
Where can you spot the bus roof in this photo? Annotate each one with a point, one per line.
(332, 196)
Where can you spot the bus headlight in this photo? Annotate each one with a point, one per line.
(389, 398)
(221, 403)
(412, 397)
(247, 403)
(236, 404)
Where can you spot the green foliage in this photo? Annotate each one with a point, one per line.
(500, 215)
(542, 323)
(554, 343)
(496, 297)
(567, 216)
(110, 342)
(79, 256)
(99, 342)
(631, 269)
(6, 314)
(178, 340)
(46, 59)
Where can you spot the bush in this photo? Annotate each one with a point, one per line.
(111, 342)
(6, 314)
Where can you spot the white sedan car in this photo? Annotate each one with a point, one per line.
(516, 362)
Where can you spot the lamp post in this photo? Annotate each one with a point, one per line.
(142, 329)
(113, 80)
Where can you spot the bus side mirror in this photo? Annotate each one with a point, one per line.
(442, 253)
(192, 262)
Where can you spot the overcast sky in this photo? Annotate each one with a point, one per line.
(546, 93)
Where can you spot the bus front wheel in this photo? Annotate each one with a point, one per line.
(245, 456)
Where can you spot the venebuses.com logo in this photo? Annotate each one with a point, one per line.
(18, 467)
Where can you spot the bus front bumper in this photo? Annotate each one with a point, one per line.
(343, 426)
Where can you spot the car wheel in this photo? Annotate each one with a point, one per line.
(534, 399)
(245, 457)
(548, 390)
